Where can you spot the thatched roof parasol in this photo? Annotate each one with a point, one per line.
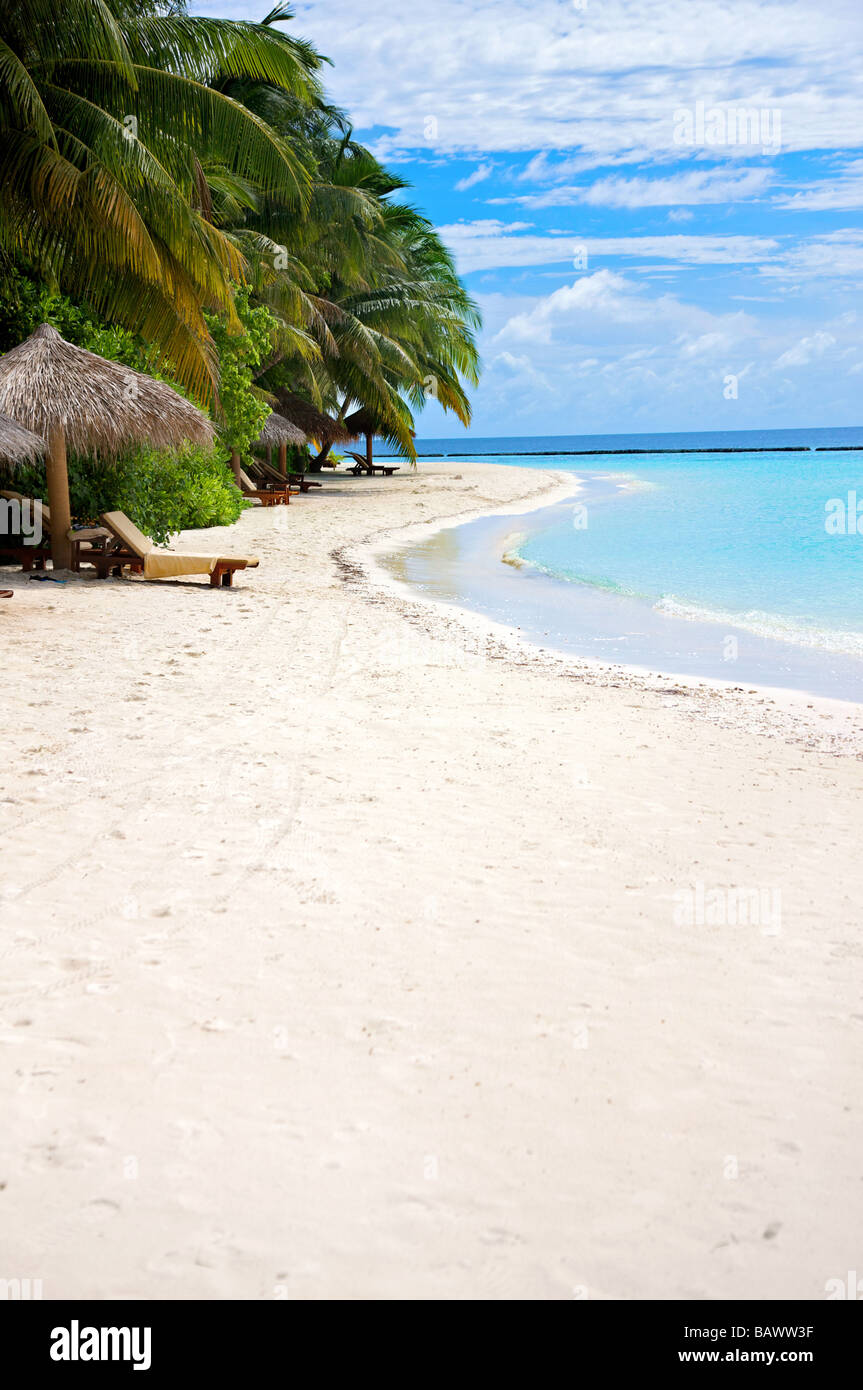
(18, 445)
(277, 430)
(362, 421)
(311, 421)
(365, 421)
(73, 398)
(101, 406)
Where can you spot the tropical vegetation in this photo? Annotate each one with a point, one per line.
(179, 194)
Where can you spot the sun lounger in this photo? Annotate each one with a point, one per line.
(13, 548)
(271, 478)
(84, 540)
(133, 547)
(264, 486)
(362, 465)
(268, 497)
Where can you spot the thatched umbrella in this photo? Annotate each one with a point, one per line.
(278, 433)
(362, 421)
(313, 422)
(278, 430)
(79, 401)
(18, 445)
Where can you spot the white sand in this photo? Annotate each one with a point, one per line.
(340, 951)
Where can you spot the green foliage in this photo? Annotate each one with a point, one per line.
(240, 355)
(107, 111)
(297, 458)
(152, 161)
(26, 302)
(162, 492)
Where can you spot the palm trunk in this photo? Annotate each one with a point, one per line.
(57, 475)
(316, 464)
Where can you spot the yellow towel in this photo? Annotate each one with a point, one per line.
(161, 564)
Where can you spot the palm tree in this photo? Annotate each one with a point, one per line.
(107, 119)
(367, 279)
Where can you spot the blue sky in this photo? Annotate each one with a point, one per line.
(657, 207)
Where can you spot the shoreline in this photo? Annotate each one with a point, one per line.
(803, 714)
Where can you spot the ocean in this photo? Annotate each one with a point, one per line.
(735, 556)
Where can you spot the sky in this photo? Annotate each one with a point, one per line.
(657, 207)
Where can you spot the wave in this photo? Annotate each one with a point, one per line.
(610, 586)
(774, 626)
(511, 552)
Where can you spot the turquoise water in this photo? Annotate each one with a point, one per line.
(731, 538)
(662, 559)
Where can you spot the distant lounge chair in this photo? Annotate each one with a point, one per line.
(84, 539)
(134, 548)
(272, 478)
(268, 497)
(362, 465)
(14, 549)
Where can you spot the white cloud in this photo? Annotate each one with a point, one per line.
(488, 244)
(480, 173)
(804, 352)
(601, 82)
(835, 256)
(603, 293)
(614, 355)
(609, 307)
(689, 187)
(842, 193)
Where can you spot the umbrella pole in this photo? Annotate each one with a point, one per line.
(283, 460)
(369, 452)
(57, 475)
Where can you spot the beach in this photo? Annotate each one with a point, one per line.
(355, 949)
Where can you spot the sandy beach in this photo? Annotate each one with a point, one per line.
(352, 949)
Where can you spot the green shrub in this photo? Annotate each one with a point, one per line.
(161, 491)
(240, 355)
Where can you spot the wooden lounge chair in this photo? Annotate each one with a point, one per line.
(84, 540)
(362, 465)
(133, 547)
(271, 477)
(268, 497)
(13, 548)
(265, 486)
